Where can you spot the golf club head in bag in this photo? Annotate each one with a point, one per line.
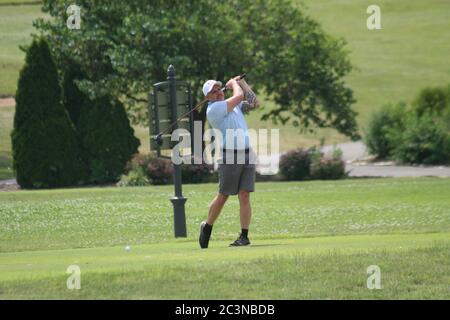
(159, 139)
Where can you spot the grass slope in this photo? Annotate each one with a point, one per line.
(409, 52)
(18, 2)
(15, 28)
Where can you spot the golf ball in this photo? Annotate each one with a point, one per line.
(127, 248)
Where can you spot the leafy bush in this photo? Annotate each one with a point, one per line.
(432, 100)
(445, 120)
(138, 160)
(196, 173)
(302, 164)
(418, 136)
(384, 128)
(424, 141)
(44, 143)
(135, 177)
(294, 165)
(157, 171)
(326, 167)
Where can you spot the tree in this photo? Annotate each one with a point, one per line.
(107, 139)
(125, 47)
(300, 67)
(45, 151)
(73, 98)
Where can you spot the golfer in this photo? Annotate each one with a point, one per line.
(235, 177)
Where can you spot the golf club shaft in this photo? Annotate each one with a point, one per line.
(242, 76)
(184, 115)
(195, 108)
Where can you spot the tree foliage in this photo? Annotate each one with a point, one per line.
(44, 144)
(434, 100)
(74, 100)
(125, 46)
(106, 139)
(385, 128)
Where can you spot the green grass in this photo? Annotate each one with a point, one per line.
(410, 52)
(90, 217)
(15, 29)
(310, 240)
(6, 125)
(18, 2)
(412, 267)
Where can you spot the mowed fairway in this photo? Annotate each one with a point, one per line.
(309, 240)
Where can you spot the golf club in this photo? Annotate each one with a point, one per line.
(159, 138)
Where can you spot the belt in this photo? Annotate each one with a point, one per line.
(236, 150)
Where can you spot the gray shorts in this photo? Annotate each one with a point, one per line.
(234, 177)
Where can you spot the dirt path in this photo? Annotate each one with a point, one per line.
(7, 102)
(375, 170)
(351, 151)
(8, 185)
(360, 164)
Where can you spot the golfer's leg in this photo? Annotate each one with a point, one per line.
(245, 208)
(246, 185)
(215, 208)
(228, 184)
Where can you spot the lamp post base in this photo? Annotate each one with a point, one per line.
(179, 216)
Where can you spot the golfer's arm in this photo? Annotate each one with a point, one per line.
(244, 85)
(249, 95)
(238, 96)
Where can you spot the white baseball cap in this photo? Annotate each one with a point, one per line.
(208, 85)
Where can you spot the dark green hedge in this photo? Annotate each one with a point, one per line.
(44, 143)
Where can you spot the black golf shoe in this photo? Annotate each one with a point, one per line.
(240, 242)
(203, 239)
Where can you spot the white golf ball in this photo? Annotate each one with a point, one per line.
(127, 248)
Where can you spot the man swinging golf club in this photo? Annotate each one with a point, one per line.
(234, 177)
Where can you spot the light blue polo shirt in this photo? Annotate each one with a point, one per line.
(219, 118)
